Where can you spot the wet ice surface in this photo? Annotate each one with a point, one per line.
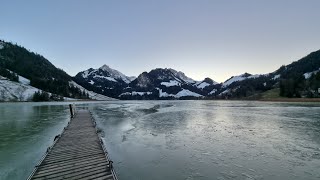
(211, 139)
(175, 139)
(26, 131)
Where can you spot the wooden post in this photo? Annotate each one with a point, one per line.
(71, 110)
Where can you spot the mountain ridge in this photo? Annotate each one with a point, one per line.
(166, 83)
(297, 79)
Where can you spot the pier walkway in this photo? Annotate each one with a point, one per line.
(78, 153)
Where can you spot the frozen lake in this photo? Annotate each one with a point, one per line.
(176, 139)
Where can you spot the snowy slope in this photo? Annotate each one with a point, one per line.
(18, 91)
(202, 85)
(24, 80)
(116, 74)
(205, 83)
(239, 78)
(182, 76)
(185, 92)
(107, 73)
(164, 94)
(309, 74)
(1, 45)
(213, 91)
(22, 91)
(170, 83)
(92, 95)
(276, 76)
(14, 91)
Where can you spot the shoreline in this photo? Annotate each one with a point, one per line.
(290, 100)
(262, 100)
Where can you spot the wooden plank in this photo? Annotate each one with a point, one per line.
(82, 161)
(71, 169)
(77, 154)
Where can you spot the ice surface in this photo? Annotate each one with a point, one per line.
(212, 139)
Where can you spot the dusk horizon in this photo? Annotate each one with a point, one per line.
(202, 39)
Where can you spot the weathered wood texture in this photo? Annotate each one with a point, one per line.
(77, 154)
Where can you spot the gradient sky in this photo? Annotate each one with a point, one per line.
(203, 38)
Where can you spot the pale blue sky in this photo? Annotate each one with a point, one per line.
(203, 38)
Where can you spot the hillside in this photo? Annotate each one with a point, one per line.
(41, 73)
(23, 73)
(298, 79)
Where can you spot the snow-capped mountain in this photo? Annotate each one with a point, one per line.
(207, 87)
(182, 76)
(104, 73)
(161, 83)
(103, 80)
(205, 83)
(160, 77)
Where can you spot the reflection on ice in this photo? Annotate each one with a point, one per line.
(212, 139)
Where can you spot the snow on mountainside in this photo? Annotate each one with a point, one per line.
(212, 92)
(171, 83)
(182, 93)
(239, 78)
(18, 91)
(162, 76)
(22, 91)
(309, 74)
(182, 76)
(202, 85)
(14, 91)
(105, 72)
(104, 80)
(24, 80)
(134, 93)
(1, 45)
(161, 83)
(276, 77)
(92, 95)
(186, 92)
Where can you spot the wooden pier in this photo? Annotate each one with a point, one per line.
(78, 153)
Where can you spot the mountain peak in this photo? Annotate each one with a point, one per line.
(105, 73)
(105, 67)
